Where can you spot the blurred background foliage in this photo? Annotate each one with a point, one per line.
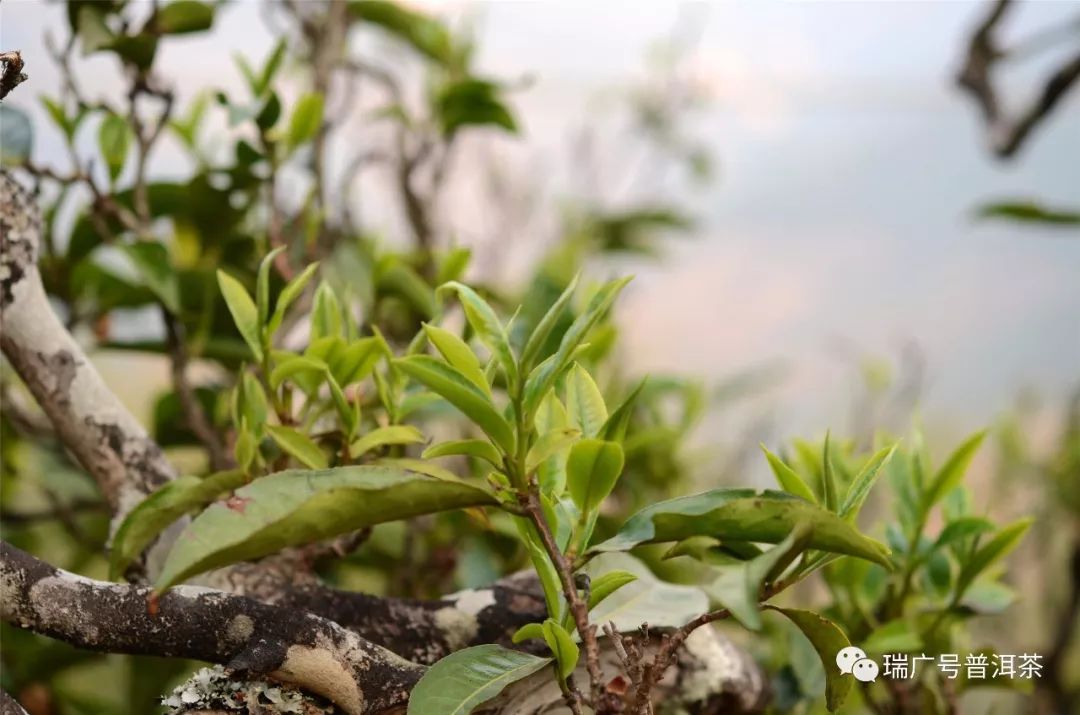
(131, 253)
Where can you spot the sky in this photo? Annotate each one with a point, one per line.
(841, 221)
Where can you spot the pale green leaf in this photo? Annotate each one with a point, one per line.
(615, 427)
(243, 311)
(584, 402)
(483, 320)
(382, 436)
(607, 584)
(298, 445)
(789, 481)
(529, 631)
(549, 443)
(296, 365)
(543, 377)
(592, 468)
(290, 293)
(562, 646)
(543, 329)
(952, 472)
(461, 681)
(1004, 541)
(738, 587)
(262, 284)
(306, 120)
(458, 354)
(864, 481)
(458, 390)
(157, 511)
(479, 448)
(828, 478)
(644, 600)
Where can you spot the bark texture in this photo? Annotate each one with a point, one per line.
(246, 636)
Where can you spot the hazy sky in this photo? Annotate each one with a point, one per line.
(848, 171)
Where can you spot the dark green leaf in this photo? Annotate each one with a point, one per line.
(562, 646)
(460, 682)
(1031, 212)
(828, 640)
(300, 506)
(615, 427)
(426, 34)
(472, 102)
(738, 587)
(151, 259)
(183, 16)
(743, 515)
(960, 529)
(114, 140)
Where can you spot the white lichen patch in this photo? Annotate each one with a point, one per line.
(714, 666)
(212, 688)
(458, 627)
(472, 602)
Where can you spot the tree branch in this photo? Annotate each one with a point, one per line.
(984, 52)
(246, 636)
(92, 423)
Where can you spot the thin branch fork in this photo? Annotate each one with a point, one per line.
(984, 53)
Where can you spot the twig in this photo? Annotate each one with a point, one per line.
(975, 77)
(12, 74)
(194, 415)
(578, 608)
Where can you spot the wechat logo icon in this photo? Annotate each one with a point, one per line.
(853, 661)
